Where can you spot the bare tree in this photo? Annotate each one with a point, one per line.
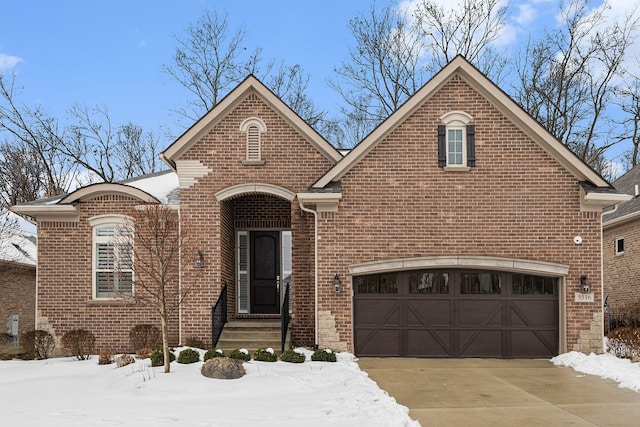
(468, 28)
(566, 79)
(396, 51)
(21, 174)
(151, 247)
(209, 62)
(39, 134)
(212, 59)
(109, 152)
(381, 71)
(628, 99)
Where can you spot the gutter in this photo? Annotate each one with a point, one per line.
(315, 268)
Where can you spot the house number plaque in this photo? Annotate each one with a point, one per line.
(584, 297)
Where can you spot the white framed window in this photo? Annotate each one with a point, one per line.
(619, 245)
(456, 142)
(253, 127)
(112, 260)
(456, 155)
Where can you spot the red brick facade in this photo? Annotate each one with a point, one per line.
(18, 295)
(521, 201)
(622, 270)
(65, 290)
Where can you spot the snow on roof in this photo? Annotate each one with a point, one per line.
(161, 185)
(18, 246)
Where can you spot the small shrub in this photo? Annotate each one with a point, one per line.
(79, 342)
(292, 356)
(144, 352)
(105, 357)
(37, 344)
(323, 355)
(157, 357)
(188, 355)
(195, 342)
(210, 354)
(124, 360)
(240, 354)
(265, 355)
(145, 336)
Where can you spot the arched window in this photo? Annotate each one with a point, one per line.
(456, 142)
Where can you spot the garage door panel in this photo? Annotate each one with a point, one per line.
(479, 343)
(539, 342)
(380, 342)
(428, 313)
(430, 343)
(533, 313)
(480, 312)
(377, 312)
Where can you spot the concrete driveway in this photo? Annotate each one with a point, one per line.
(490, 392)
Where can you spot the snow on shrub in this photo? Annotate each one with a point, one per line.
(124, 360)
(241, 354)
(265, 355)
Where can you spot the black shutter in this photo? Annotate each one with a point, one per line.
(471, 146)
(442, 146)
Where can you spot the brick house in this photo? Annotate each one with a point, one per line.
(17, 281)
(621, 250)
(458, 228)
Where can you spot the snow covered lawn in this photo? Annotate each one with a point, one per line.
(67, 392)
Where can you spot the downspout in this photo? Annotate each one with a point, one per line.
(315, 268)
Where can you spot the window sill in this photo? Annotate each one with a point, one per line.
(253, 162)
(457, 168)
(112, 302)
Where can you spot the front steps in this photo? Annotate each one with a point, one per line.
(252, 335)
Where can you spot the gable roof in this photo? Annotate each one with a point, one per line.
(250, 85)
(500, 100)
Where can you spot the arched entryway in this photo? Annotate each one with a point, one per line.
(256, 244)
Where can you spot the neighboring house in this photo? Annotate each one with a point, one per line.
(18, 254)
(621, 237)
(459, 227)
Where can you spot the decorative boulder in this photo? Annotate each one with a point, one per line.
(223, 368)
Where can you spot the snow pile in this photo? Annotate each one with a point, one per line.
(606, 365)
(66, 392)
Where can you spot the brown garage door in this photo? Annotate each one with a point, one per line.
(456, 313)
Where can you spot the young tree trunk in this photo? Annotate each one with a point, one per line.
(165, 338)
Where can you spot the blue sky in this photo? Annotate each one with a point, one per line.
(111, 52)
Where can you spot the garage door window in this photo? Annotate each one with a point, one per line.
(377, 284)
(422, 282)
(524, 284)
(480, 283)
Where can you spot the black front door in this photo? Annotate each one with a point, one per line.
(265, 272)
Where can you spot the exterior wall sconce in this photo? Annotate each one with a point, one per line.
(585, 286)
(199, 261)
(336, 282)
